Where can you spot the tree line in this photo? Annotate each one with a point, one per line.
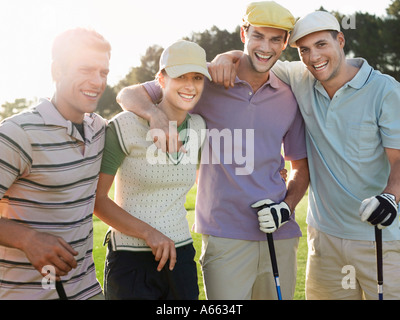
(377, 39)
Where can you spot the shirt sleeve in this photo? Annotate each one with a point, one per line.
(15, 155)
(154, 90)
(294, 142)
(389, 119)
(113, 155)
(289, 72)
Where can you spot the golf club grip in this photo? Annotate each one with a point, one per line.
(378, 240)
(379, 262)
(272, 254)
(61, 291)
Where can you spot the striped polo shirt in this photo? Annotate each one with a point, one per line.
(48, 178)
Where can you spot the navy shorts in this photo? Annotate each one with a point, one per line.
(132, 275)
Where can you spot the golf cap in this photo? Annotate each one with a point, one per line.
(269, 14)
(183, 57)
(313, 22)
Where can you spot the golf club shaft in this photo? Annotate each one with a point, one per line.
(378, 244)
(274, 264)
(61, 291)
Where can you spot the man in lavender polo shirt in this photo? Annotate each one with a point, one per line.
(241, 163)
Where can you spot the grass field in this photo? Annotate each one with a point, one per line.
(100, 229)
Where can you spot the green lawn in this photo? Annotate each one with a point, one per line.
(99, 250)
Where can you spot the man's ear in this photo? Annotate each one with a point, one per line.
(287, 41)
(342, 41)
(242, 35)
(55, 71)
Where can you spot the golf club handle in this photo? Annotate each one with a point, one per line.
(378, 241)
(272, 254)
(61, 291)
(379, 262)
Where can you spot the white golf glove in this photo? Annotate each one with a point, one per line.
(379, 211)
(271, 215)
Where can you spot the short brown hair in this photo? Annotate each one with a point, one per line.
(74, 40)
(334, 34)
(246, 26)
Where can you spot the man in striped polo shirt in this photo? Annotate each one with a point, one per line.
(49, 165)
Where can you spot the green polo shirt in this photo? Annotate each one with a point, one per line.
(346, 137)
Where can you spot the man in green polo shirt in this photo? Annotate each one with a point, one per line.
(352, 118)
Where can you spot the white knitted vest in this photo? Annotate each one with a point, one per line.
(152, 186)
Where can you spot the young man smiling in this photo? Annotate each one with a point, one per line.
(263, 46)
(235, 259)
(352, 118)
(49, 166)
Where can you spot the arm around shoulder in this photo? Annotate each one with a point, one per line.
(223, 68)
(290, 72)
(137, 100)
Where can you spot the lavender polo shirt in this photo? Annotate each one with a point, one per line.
(241, 157)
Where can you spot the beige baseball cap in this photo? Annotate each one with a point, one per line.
(183, 57)
(269, 14)
(313, 22)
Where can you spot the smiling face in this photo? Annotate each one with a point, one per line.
(80, 83)
(263, 46)
(180, 94)
(322, 54)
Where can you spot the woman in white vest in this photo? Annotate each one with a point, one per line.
(150, 251)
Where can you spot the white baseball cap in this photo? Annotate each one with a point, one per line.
(313, 22)
(183, 57)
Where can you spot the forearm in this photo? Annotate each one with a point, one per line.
(233, 55)
(136, 99)
(113, 215)
(223, 68)
(272, 215)
(393, 185)
(13, 234)
(381, 210)
(298, 183)
(41, 249)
